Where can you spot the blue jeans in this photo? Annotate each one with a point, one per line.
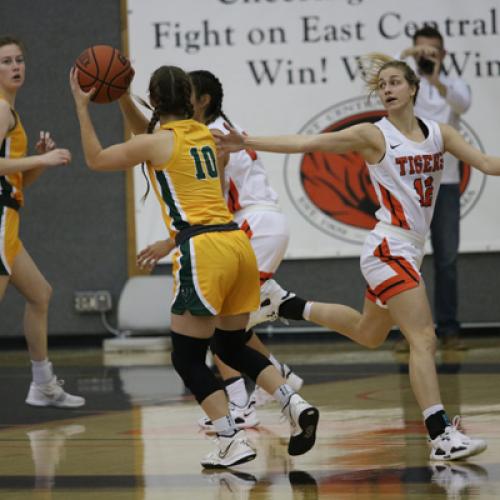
(445, 235)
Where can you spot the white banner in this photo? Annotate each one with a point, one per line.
(289, 66)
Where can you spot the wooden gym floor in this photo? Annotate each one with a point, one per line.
(137, 437)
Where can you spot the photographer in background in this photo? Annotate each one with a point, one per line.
(443, 99)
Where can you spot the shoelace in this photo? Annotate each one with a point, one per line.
(456, 428)
(272, 316)
(53, 386)
(217, 440)
(455, 422)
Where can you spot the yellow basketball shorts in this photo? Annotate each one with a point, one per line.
(216, 274)
(10, 244)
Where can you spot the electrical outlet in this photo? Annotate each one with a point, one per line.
(93, 301)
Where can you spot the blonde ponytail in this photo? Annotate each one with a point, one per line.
(373, 63)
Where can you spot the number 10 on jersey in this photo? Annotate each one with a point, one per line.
(205, 165)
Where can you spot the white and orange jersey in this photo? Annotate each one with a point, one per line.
(408, 177)
(246, 182)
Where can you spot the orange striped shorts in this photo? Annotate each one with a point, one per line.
(390, 262)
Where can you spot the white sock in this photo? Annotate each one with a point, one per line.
(307, 311)
(431, 410)
(283, 394)
(225, 426)
(275, 362)
(42, 371)
(237, 392)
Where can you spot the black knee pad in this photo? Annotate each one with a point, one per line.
(188, 358)
(231, 348)
(248, 336)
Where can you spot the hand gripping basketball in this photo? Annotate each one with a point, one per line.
(106, 70)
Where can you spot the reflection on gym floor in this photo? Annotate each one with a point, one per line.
(138, 438)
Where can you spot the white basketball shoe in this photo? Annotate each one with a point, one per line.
(52, 394)
(229, 451)
(453, 444)
(303, 419)
(271, 297)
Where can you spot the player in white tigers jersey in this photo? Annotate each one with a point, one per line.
(406, 181)
(408, 177)
(245, 177)
(404, 158)
(255, 208)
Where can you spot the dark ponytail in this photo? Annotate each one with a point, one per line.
(155, 118)
(170, 94)
(205, 82)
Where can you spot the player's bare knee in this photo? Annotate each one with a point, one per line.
(373, 340)
(423, 340)
(46, 294)
(373, 337)
(41, 297)
(374, 343)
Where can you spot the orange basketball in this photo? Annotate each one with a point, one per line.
(107, 70)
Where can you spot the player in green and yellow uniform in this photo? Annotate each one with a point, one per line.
(14, 146)
(18, 170)
(189, 191)
(215, 271)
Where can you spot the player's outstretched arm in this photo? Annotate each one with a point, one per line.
(455, 144)
(363, 138)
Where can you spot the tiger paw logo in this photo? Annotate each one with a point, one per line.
(334, 193)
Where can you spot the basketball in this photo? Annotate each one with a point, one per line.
(107, 70)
